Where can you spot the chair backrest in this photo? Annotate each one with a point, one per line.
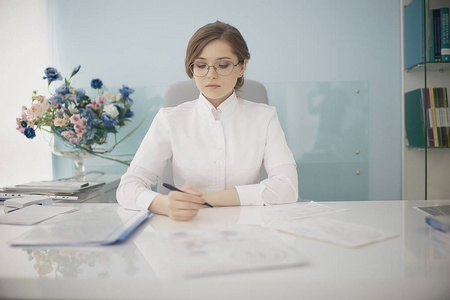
(183, 91)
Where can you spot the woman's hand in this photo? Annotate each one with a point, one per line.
(179, 206)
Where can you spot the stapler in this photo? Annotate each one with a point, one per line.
(18, 203)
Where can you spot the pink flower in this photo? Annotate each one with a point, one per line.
(74, 119)
(100, 100)
(68, 134)
(83, 122)
(80, 132)
(59, 122)
(37, 110)
(95, 105)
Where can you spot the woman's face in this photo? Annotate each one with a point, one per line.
(217, 88)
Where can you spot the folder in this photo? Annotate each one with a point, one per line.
(92, 225)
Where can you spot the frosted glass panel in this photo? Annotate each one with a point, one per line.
(326, 126)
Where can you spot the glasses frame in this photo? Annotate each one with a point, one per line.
(191, 68)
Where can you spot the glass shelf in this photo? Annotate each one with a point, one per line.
(431, 66)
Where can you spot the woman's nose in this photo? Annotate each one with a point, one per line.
(212, 73)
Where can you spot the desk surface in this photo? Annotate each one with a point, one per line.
(414, 265)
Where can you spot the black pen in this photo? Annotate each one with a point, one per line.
(172, 188)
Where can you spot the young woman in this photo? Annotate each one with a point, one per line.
(217, 143)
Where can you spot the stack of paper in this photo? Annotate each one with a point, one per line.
(54, 187)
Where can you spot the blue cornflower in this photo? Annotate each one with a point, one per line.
(52, 74)
(108, 120)
(129, 114)
(80, 93)
(96, 83)
(75, 70)
(29, 132)
(57, 99)
(126, 92)
(63, 89)
(23, 124)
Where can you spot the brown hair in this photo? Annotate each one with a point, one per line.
(212, 32)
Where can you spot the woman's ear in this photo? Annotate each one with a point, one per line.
(243, 67)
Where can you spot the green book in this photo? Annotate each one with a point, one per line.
(415, 118)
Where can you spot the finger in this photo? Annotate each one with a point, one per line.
(183, 215)
(186, 197)
(184, 205)
(191, 189)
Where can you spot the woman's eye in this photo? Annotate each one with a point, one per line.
(200, 66)
(224, 65)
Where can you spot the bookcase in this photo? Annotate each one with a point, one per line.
(426, 165)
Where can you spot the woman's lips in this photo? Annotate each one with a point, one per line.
(212, 86)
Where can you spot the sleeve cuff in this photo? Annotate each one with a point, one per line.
(144, 199)
(250, 194)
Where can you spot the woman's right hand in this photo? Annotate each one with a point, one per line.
(177, 205)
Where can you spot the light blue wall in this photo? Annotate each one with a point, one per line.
(142, 44)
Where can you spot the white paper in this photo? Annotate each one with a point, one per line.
(297, 211)
(336, 232)
(33, 214)
(205, 252)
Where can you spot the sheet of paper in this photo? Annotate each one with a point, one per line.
(34, 214)
(297, 211)
(84, 228)
(332, 231)
(196, 253)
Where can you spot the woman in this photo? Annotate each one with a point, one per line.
(217, 143)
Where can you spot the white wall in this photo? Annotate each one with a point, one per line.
(142, 43)
(23, 58)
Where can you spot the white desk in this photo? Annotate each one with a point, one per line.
(411, 266)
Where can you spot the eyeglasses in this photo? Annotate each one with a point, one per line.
(222, 68)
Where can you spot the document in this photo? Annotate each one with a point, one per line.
(332, 231)
(297, 211)
(34, 214)
(104, 226)
(206, 252)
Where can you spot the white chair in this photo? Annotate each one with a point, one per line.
(183, 91)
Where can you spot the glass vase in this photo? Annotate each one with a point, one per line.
(78, 156)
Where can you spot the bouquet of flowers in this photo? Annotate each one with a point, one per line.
(73, 117)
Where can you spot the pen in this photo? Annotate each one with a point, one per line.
(172, 188)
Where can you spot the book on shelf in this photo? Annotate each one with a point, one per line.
(427, 117)
(435, 34)
(439, 35)
(445, 35)
(414, 34)
(436, 14)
